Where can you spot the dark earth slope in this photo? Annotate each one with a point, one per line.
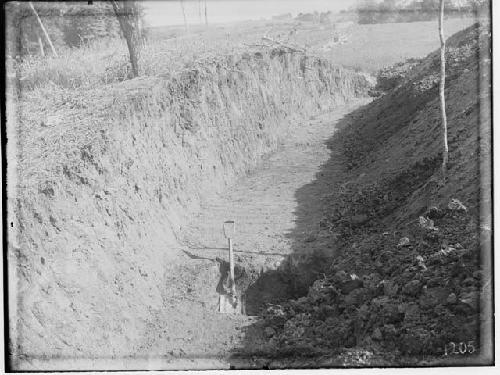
(408, 278)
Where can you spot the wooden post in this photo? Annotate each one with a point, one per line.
(43, 29)
(206, 15)
(441, 90)
(184, 15)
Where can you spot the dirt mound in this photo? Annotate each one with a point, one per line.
(411, 265)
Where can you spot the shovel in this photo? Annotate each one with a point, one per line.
(230, 302)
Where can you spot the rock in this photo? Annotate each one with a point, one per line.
(377, 334)
(412, 288)
(390, 313)
(469, 282)
(427, 223)
(470, 299)
(390, 288)
(435, 213)
(269, 331)
(302, 300)
(371, 281)
(356, 297)
(435, 281)
(380, 301)
(364, 311)
(421, 263)
(447, 250)
(403, 242)
(275, 310)
(389, 330)
(348, 286)
(358, 219)
(340, 276)
(477, 274)
(452, 299)
(433, 297)
(456, 205)
(411, 311)
(388, 310)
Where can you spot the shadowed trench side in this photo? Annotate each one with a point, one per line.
(391, 272)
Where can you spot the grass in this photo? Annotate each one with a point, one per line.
(368, 48)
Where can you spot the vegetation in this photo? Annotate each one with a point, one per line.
(68, 25)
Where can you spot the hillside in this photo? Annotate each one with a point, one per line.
(409, 267)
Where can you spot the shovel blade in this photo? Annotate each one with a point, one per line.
(230, 305)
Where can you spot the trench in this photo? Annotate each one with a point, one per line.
(277, 249)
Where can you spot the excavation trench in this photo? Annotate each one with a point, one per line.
(278, 246)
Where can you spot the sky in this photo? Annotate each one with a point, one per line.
(163, 12)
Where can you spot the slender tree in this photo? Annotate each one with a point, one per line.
(45, 33)
(206, 15)
(441, 89)
(128, 16)
(184, 14)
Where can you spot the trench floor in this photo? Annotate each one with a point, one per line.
(271, 225)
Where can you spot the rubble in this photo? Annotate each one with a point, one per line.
(410, 302)
(403, 242)
(427, 223)
(455, 204)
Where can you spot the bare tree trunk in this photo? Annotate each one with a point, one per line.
(43, 29)
(206, 15)
(184, 15)
(126, 18)
(441, 90)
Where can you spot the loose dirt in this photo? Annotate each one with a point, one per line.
(264, 206)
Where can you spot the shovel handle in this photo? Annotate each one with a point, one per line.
(229, 228)
(231, 267)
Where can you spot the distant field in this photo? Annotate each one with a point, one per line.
(367, 47)
(371, 47)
